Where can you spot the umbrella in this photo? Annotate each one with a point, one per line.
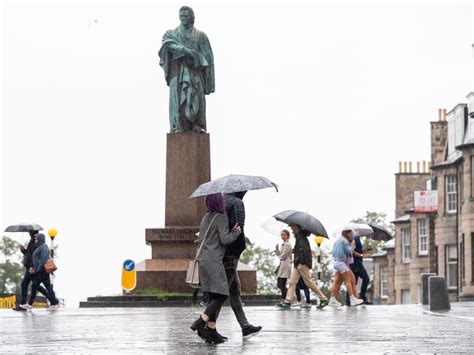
(380, 232)
(359, 229)
(273, 227)
(24, 227)
(233, 183)
(303, 219)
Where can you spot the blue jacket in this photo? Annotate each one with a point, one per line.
(342, 249)
(41, 253)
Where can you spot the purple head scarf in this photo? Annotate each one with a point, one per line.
(215, 203)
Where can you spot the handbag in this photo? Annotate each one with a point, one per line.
(192, 274)
(50, 266)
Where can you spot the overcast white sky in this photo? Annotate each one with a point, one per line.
(322, 98)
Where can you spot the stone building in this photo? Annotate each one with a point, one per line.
(441, 241)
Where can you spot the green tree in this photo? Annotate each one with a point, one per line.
(265, 262)
(378, 218)
(11, 269)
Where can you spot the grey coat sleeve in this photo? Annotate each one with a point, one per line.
(225, 236)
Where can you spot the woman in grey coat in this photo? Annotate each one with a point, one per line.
(214, 236)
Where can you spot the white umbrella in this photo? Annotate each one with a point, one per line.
(273, 226)
(359, 229)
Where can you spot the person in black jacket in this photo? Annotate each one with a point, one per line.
(28, 277)
(235, 209)
(303, 262)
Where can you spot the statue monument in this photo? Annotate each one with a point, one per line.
(187, 60)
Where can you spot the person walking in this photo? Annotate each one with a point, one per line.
(215, 235)
(28, 277)
(302, 286)
(40, 276)
(358, 269)
(302, 262)
(235, 210)
(284, 268)
(342, 253)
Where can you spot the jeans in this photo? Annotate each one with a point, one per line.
(24, 287)
(230, 265)
(359, 271)
(214, 306)
(42, 277)
(281, 284)
(302, 271)
(302, 286)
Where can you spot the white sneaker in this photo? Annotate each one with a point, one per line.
(297, 304)
(356, 301)
(53, 307)
(26, 307)
(306, 306)
(334, 303)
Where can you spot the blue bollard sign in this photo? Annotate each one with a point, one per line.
(129, 275)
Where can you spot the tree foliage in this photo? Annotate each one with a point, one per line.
(264, 261)
(11, 269)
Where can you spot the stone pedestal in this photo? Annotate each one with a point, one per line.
(188, 165)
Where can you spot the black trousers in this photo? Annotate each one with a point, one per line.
(359, 271)
(281, 284)
(302, 286)
(214, 305)
(27, 278)
(42, 277)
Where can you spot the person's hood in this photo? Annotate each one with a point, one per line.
(40, 239)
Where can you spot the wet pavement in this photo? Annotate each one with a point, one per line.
(374, 329)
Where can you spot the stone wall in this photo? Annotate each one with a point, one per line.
(405, 185)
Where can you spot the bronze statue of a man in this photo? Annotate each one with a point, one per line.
(187, 60)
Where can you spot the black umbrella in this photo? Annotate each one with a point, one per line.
(303, 219)
(24, 227)
(380, 232)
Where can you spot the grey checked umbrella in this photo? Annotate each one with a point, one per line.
(23, 227)
(233, 183)
(303, 219)
(380, 232)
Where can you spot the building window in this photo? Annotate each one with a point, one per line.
(406, 297)
(384, 281)
(422, 237)
(451, 194)
(406, 241)
(452, 266)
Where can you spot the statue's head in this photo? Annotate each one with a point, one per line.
(186, 16)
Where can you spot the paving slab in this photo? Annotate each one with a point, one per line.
(365, 329)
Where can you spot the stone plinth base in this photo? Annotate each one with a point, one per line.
(172, 242)
(170, 275)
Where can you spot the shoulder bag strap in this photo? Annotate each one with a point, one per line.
(205, 237)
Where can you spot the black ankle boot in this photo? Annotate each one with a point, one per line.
(219, 335)
(212, 336)
(199, 325)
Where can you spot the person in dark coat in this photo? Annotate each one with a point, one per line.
(358, 269)
(28, 277)
(303, 262)
(40, 276)
(214, 235)
(235, 210)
